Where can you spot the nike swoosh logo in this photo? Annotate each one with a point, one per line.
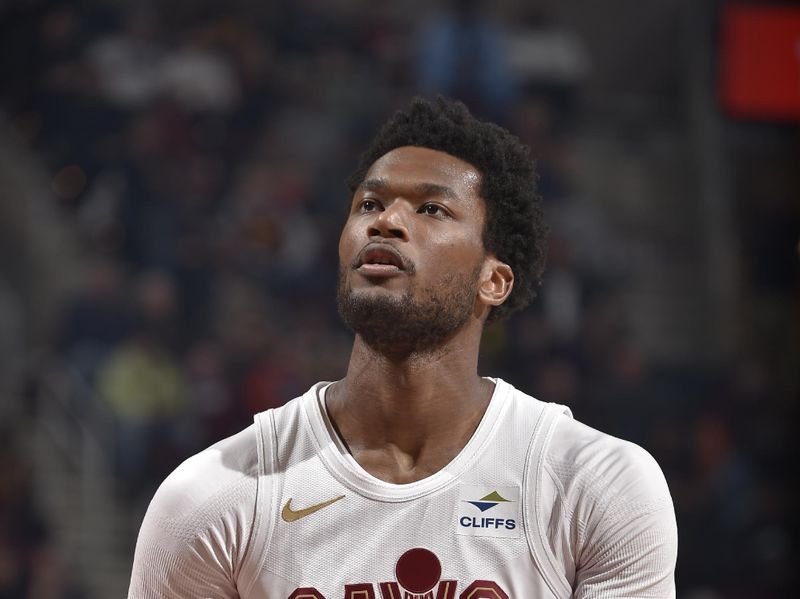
(290, 515)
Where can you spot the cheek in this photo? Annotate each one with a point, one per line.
(466, 242)
(463, 255)
(345, 244)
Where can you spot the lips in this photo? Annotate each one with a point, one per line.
(382, 255)
(380, 259)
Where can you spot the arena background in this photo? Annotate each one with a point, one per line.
(171, 190)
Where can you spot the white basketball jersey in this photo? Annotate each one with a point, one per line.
(505, 519)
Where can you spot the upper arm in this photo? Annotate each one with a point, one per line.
(195, 533)
(619, 516)
(630, 543)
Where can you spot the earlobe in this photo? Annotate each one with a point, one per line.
(497, 283)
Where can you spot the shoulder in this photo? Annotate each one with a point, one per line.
(212, 470)
(583, 460)
(211, 491)
(614, 524)
(593, 465)
(196, 532)
(194, 537)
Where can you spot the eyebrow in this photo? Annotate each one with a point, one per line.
(420, 189)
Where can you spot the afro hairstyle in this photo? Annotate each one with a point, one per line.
(515, 231)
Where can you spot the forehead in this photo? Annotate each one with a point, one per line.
(414, 165)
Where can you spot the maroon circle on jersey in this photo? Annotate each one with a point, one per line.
(418, 570)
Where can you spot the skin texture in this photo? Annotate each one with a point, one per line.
(411, 400)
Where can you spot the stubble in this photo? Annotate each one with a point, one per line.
(415, 322)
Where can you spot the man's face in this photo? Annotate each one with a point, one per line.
(411, 251)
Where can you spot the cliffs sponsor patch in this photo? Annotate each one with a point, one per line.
(484, 511)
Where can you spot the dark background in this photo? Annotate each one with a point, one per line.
(171, 191)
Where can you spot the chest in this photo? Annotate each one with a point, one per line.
(467, 539)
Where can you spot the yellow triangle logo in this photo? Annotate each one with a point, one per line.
(494, 496)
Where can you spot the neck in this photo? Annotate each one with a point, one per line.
(405, 417)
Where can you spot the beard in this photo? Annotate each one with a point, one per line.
(413, 323)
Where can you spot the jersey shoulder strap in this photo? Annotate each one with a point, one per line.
(534, 506)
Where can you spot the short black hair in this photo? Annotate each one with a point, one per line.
(515, 230)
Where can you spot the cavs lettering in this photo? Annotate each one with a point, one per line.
(418, 573)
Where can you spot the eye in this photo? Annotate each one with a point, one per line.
(432, 210)
(368, 205)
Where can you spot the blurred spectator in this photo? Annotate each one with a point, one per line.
(546, 60)
(719, 514)
(143, 386)
(270, 227)
(268, 383)
(562, 296)
(28, 566)
(243, 318)
(97, 318)
(559, 381)
(213, 413)
(127, 63)
(200, 79)
(461, 53)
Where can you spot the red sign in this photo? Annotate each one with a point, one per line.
(760, 68)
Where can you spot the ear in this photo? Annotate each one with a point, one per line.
(497, 281)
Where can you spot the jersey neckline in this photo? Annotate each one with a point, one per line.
(344, 467)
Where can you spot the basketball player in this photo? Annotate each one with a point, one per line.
(412, 476)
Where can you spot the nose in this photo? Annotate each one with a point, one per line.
(389, 223)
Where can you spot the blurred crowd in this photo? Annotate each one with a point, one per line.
(198, 153)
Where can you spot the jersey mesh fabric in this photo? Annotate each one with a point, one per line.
(602, 510)
(372, 532)
(195, 536)
(612, 523)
